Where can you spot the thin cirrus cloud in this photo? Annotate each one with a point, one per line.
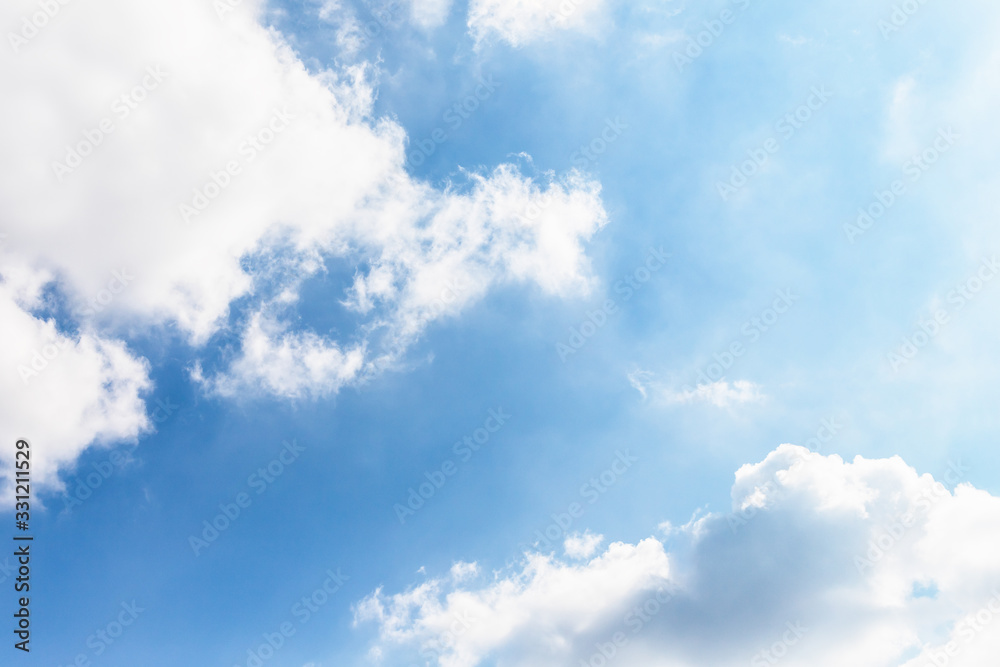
(820, 562)
(721, 393)
(183, 139)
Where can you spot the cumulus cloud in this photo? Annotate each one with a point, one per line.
(532, 613)
(60, 391)
(520, 22)
(185, 138)
(820, 562)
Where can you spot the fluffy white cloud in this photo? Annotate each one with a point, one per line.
(286, 364)
(582, 545)
(181, 139)
(520, 22)
(314, 169)
(507, 229)
(531, 615)
(820, 562)
(61, 392)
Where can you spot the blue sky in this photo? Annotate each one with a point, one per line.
(347, 313)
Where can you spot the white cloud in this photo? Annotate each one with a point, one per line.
(61, 392)
(520, 22)
(461, 571)
(286, 364)
(582, 545)
(350, 34)
(331, 181)
(721, 394)
(173, 104)
(430, 13)
(820, 561)
(471, 241)
(539, 608)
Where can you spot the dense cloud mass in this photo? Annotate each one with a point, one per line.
(143, 162)
(820, 563)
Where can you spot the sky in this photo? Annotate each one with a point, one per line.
(435, 333)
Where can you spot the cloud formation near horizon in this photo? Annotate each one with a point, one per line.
(819, 562)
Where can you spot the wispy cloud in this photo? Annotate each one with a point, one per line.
(721, 394)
